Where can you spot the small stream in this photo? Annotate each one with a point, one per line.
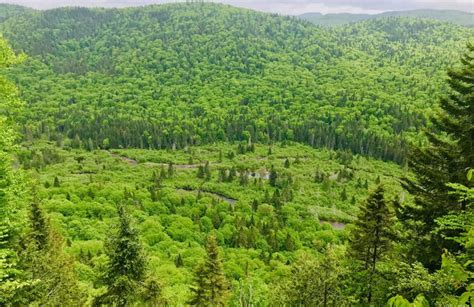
(224, 198)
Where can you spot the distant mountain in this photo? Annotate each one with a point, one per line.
(9, 10)
(457, 17)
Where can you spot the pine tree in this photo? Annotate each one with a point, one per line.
(207, 171)
(179, 261)
(273, 177)
(371, 238)
(232, 174)
(170, 169)
(56, 183)
(344, 194)
(126, 269)
(244, 179)
(211, 287)
(200, 172)
(39, 227)
(445, 159)
(45, 261)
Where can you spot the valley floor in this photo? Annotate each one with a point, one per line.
(264, 203)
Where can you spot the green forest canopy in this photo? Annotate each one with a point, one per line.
(169, 76)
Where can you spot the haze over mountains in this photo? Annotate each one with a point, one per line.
(457, 17)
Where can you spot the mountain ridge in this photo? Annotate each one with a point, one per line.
(454, 16)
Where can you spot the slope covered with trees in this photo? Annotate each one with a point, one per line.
(162, 160)
(176, 75)
(452, 16)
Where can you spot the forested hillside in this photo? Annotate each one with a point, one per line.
(455, 17)
(200, 154)
(176, 75)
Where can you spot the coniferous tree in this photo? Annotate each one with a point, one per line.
(211, 287)
(344, 194)
(170, 169)
(56, 183)
(371, 239)
(207, 171)
(179, 261)
(446, 157)
(273, 177)
(126, 268)
(200, 172)
(48, 265)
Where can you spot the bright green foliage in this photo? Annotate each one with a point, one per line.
(239, 76)
(444, 159)
(314, 282)
(371, 240)
(211, 287)
(192, 117)
(126, 268)
(11, 276)
(399, 301)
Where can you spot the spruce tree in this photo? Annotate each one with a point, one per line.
(344, 194)
(446, 157)
(273, 177)
(211, 287)
(126, 269)
(179, 261)
(39, 227)
(56, 183)
(47, 264)
(371, 239)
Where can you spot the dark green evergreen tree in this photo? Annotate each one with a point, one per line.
(179, 261)
(273, 176)
(56, 183)
(371, 240)
(344, 194)
(210, 285)
(446, 157)
(47, 264)
(126, 269)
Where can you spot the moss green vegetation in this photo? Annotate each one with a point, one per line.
(261, 228)
(199, 154)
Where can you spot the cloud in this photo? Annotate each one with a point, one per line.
(279, 6)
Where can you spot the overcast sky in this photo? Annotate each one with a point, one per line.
(278, 6)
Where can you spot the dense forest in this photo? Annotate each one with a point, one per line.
(452, 16)
(201, 154)
(173, 76)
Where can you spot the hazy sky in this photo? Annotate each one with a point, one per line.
(278, 6)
